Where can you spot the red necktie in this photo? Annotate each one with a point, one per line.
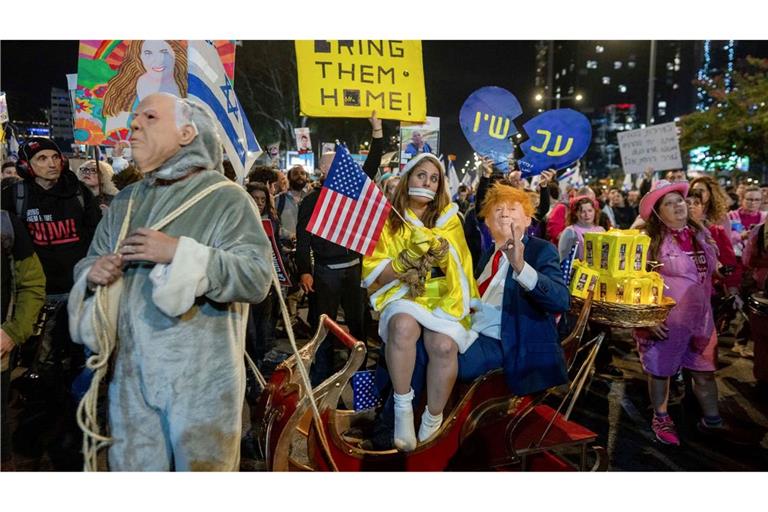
(494, 268)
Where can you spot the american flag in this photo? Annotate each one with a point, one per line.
(364, 393)
(351, 209)
(567, 264)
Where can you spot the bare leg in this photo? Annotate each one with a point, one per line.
(441, 375)
(400, 351)
(705, 389)
(658, 389)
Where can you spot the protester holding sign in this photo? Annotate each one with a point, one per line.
(421, 277)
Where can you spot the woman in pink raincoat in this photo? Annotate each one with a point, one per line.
(687, 339)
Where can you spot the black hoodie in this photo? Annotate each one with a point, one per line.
(61, 227)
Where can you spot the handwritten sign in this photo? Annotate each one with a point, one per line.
(487, 120)
(556, 139)
(656, 147)
(347, 78)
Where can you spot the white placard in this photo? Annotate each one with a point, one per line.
(656, 147)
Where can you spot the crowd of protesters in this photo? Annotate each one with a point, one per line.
(710, 239)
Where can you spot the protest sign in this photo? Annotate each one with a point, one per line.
(306, 160)
(3, 109)
(487, 120)
(277, 260)
(419, 138)
(352, 78)
(556, 139)
(114, 75)
(303, 142)
(656, 147)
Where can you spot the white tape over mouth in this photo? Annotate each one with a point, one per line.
(421, 192)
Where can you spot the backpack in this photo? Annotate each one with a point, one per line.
(20, 191)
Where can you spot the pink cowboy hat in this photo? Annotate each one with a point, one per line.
(660, 189)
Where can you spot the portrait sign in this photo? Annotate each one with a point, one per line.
(419, 138)
(556, 139)
(114, 75)
(487, 120)
(347, 78)
(303, 140)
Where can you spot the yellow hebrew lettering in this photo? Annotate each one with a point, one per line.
(495, 131)
(547, 135)
(477, 122)
(557, 151)
(485, 117)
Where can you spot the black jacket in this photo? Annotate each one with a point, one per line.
(61, 227)
(326, 252)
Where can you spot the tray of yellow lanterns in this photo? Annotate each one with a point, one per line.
(614, 270)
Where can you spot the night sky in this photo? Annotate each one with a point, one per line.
(453, 70)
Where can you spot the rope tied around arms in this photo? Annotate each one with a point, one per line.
(104, 320)
(418, 269)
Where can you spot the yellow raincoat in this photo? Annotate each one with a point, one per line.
(444, 306)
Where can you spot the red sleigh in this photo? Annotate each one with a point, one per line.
(487, 428)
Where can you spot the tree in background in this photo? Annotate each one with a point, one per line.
(736, 123)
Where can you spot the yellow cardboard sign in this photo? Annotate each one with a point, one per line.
(351, 78)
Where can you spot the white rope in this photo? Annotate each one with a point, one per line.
(87, 409)
(303, 372)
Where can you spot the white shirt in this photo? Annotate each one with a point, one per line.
(487, 319)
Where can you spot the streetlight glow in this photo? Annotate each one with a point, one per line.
(539, 97)
(579, 97)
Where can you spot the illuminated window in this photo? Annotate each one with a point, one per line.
(631, 64)
(606, 80)
(675, 86)
(670, 66)
(622, 88)
(599, 49)
(662, 104)
(617, 64)
(591, 64)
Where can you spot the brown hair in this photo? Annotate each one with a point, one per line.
(717, 208)
(656, 229)
(121, 88)
(574, 209)
(269, 208)
(400, 201)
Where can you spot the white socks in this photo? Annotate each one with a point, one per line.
(429, 424)
(405, 431)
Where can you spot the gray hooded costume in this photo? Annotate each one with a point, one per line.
(176, 394)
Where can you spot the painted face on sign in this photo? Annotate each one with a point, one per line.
(157, 57)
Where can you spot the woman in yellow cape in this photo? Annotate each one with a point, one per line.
(421, 279)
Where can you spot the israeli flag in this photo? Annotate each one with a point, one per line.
(210, 85)
(453, 180)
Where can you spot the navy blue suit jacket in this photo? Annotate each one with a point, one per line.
(531, 354)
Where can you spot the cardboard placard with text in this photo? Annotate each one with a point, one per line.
(351, 78)
(656, 147)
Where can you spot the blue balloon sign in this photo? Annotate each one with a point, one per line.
(487, 120)
(556, 139)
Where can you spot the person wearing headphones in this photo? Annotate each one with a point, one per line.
(61, 216)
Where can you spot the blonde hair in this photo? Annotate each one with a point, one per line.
(121, 88)
(502, 193)
(106, 173)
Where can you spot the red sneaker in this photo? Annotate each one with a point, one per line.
(664, 428)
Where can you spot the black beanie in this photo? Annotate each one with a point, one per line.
(34, 145)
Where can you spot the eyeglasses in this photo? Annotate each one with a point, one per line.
(87, 171)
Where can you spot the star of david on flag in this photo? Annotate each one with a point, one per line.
(351, 209)
(209, 84)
